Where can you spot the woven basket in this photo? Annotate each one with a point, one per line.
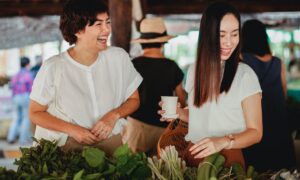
(174, 135)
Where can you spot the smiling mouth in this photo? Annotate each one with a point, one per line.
(102, 39)
(225, 52)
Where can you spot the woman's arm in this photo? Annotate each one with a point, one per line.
(253, 117)
(38, 115)
(283, 79)
(180, 92)
(105, 125)
(183, 114)
(253, 133)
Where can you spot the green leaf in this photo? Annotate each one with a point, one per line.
(93, 156)
(45, 169)
(32, 170)
(142, 172)
(111, 169)
(64, 176)
(122, 160)
(122, 150)
(128, 167)
(54, 174)
(49, 178)
(78, 175)
(92, 176)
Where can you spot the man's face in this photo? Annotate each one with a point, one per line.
(96, 36)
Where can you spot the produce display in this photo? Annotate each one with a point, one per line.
(47, 161)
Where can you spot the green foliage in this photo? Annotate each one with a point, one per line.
(190, 173)
(130, 165)
(206, 166)
(93, 156)
(122, 151)
(7, 174)
(47, 161)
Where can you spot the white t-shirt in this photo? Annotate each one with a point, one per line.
(85, 93)
(216, 119)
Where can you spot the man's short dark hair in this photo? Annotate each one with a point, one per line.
(77, 14)
(151, 45)
(24, 61)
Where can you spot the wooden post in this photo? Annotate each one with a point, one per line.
(143, 7)
(121, 19)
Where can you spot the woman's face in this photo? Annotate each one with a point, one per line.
(229, 35)
(96, 35)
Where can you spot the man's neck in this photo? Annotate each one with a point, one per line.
(153, 53)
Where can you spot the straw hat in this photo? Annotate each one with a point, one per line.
(153, 30)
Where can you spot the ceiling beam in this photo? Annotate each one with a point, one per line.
(39, 8)
(195, 7)
(9, 9)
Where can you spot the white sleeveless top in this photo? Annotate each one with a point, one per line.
(216, 119)
(83, 94)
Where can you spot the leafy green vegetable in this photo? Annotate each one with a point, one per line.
(122, 151)
(93, 156)
(78, 175)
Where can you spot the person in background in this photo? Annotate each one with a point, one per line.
(276, 150)
(34, 70)
(224, 95)
(21, 85)
(81, 96)
(161, 77)
(293, 66)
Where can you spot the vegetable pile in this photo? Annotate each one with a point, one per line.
(47, 161)
(170, 166)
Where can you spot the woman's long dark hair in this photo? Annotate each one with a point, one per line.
(255, 38)
(208, 83)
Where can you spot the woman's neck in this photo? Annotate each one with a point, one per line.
(83, 56)
(264, 58)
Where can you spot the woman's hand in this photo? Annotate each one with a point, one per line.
(182, 113)
(105, 125)
(161, 112)
(209, 146)
(82, 135)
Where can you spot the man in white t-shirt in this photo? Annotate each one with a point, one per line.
(81, 96)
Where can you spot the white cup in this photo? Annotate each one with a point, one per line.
(169, 105)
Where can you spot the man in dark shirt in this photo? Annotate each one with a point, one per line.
(161, 77)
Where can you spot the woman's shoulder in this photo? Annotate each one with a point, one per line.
(277, 60)
(112, 50)
(49, 64)
(243, 70)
